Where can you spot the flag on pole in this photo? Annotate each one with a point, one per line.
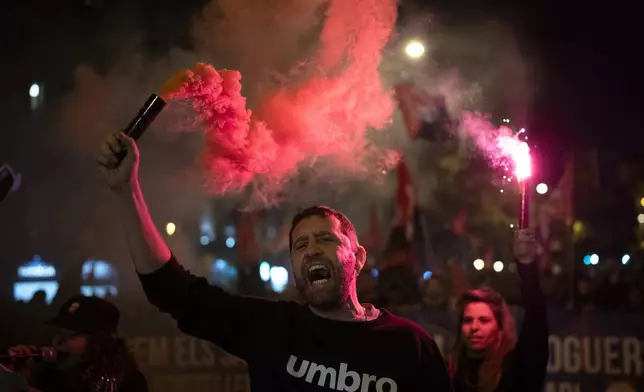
(425, 115)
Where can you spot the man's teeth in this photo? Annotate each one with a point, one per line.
(318, 274)
(316, 267)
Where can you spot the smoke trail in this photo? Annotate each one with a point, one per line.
(101, 103)
(228, 33)
(263, 39)
(501, 146)
(324, 117)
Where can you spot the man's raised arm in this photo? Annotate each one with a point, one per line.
(200, 309)
(147, 248)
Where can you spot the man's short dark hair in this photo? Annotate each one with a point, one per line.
(346, 227)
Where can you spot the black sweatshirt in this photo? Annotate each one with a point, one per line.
(288, 348)
(524, 368)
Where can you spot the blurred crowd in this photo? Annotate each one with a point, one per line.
(611, 287)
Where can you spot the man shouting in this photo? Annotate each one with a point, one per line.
(333, 342)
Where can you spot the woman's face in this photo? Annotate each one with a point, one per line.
(480, 328)
(70, 342)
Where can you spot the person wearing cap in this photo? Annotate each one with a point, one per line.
(88, 349)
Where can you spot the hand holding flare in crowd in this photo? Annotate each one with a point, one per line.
(519, 153)
(503, 149)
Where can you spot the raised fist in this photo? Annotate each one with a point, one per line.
(118, 160)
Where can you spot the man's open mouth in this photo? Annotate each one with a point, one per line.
(318, 274)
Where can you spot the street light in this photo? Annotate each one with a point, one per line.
(626, 258)
(479, 264)
(265, 271)
(415, 49)
(35, 95)
(542, 189)
(34, 90)
(170, 228)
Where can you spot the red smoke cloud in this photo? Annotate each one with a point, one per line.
(326, 116)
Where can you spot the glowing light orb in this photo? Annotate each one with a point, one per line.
(626, 259)
(265, 271)
(542, 189)
(170, 228)
(34, 90)
(479, 264)
(414, 49)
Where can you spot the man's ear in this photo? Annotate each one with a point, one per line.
(361, 258)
